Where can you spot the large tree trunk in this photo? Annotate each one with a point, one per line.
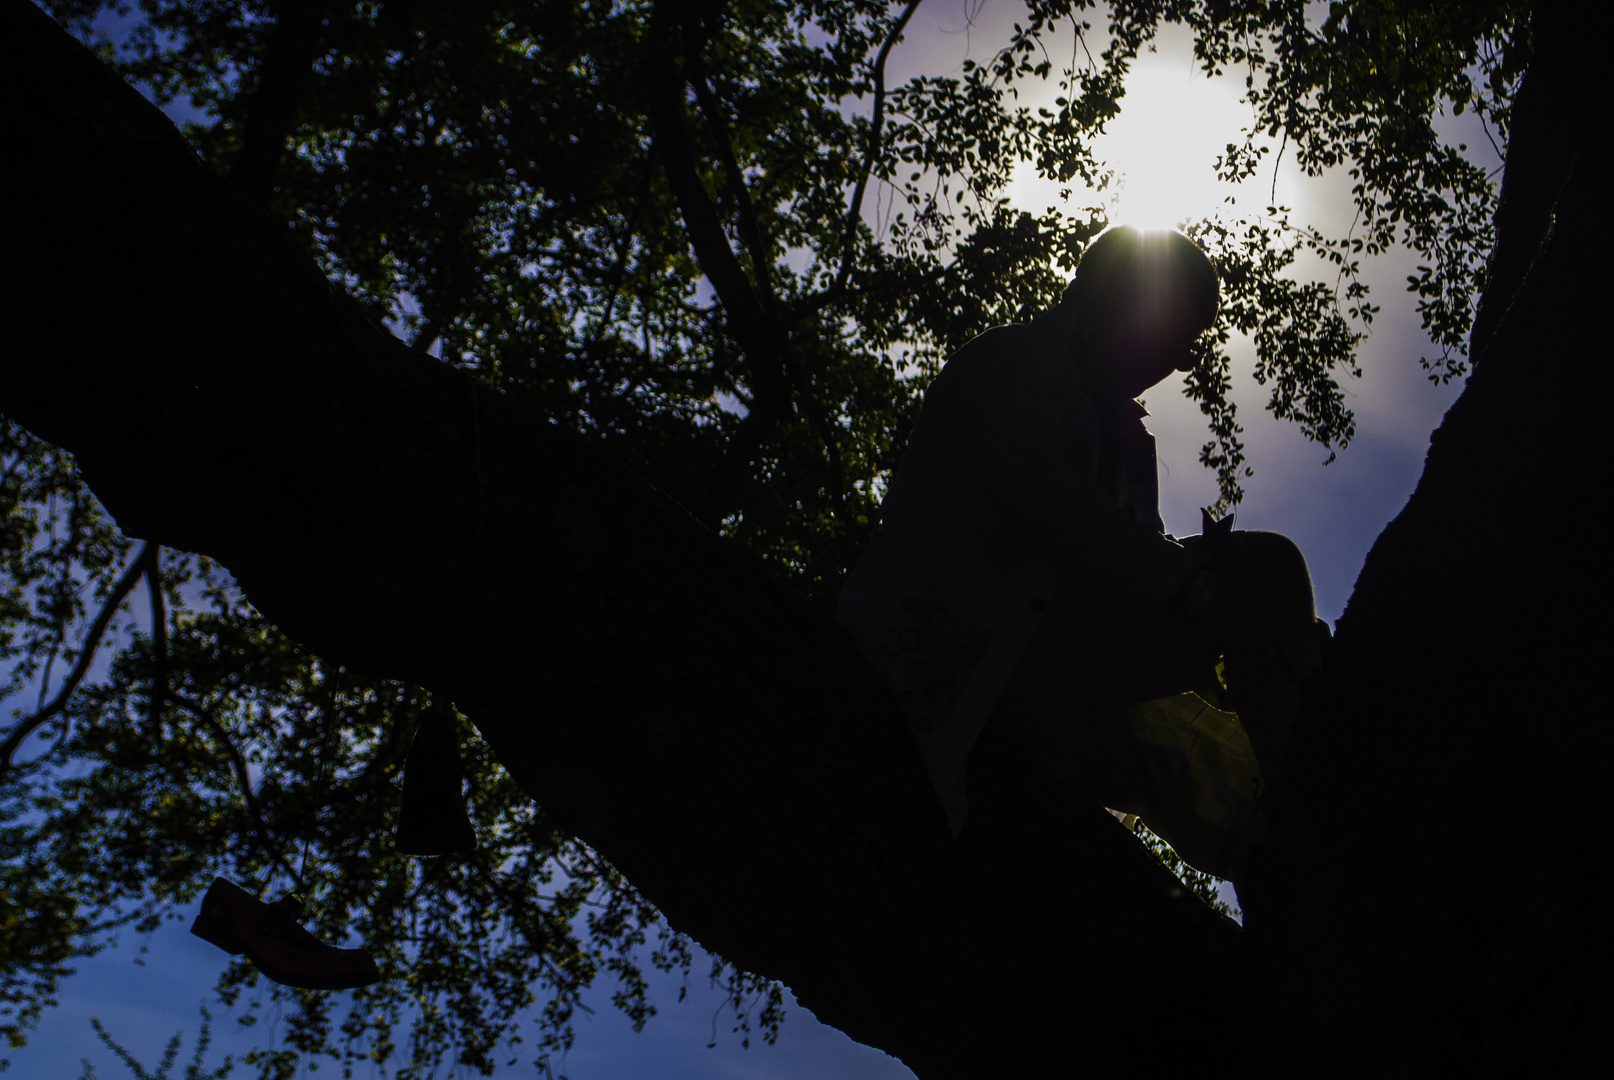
(1434, 898)
(719, 740)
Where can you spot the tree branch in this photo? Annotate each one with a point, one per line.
(760, 336)
(761, 262)
(159, 644)
(618, 272)
(734, 182)
(871, 153)
(655, 689)
(1464, 707)
(143, 563)
(288, 62)
(762, 419)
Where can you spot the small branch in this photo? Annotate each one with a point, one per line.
(238, 765)
(761, 338)
(1276, 162)
(733, 468)
(50, 663)
(624, 247)
(564, 983)
(142, 563)
(11, 469)
(872, 150)
(1485, 126)
(834, 484)
(159, 644)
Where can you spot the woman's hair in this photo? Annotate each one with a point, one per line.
(1153, 275)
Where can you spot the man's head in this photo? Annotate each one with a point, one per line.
(1140, 299)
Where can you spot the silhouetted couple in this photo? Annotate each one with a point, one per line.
(1022, 576)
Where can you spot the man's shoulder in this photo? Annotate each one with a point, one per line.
(1008, 355)
(998, 339)
(998, 353)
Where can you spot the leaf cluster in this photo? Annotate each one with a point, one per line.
(1361, 90)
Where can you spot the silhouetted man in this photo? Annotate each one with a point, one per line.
(1022, 573)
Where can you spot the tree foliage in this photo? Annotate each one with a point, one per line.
(719, 243)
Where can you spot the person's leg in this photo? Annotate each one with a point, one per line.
(1098, 701)
(1098, 704)
(1065, 708)
(1274, 647)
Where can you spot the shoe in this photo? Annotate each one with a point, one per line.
(432, 818)
(276, 943)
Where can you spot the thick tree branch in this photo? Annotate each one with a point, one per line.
(287, 64)
(756, 245)
(760, 336)
(654, 688)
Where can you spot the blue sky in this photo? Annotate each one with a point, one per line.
(1333, 512)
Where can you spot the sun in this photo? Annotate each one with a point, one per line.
(1172, 128)
(1174, 124)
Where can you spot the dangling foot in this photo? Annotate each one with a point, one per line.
(432, 818)
(276, 943)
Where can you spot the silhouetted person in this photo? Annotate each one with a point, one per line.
(1022, 573)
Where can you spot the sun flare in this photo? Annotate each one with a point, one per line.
(1171, 130)
(1174, 124)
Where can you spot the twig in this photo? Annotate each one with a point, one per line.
(238, 766)
(159, 644)
(565, 983)
(1276, 162)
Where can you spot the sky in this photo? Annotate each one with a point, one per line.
(1173, 124)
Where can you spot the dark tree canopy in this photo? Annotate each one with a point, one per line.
(652, 365)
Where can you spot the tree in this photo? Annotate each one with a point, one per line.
(836, 876)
